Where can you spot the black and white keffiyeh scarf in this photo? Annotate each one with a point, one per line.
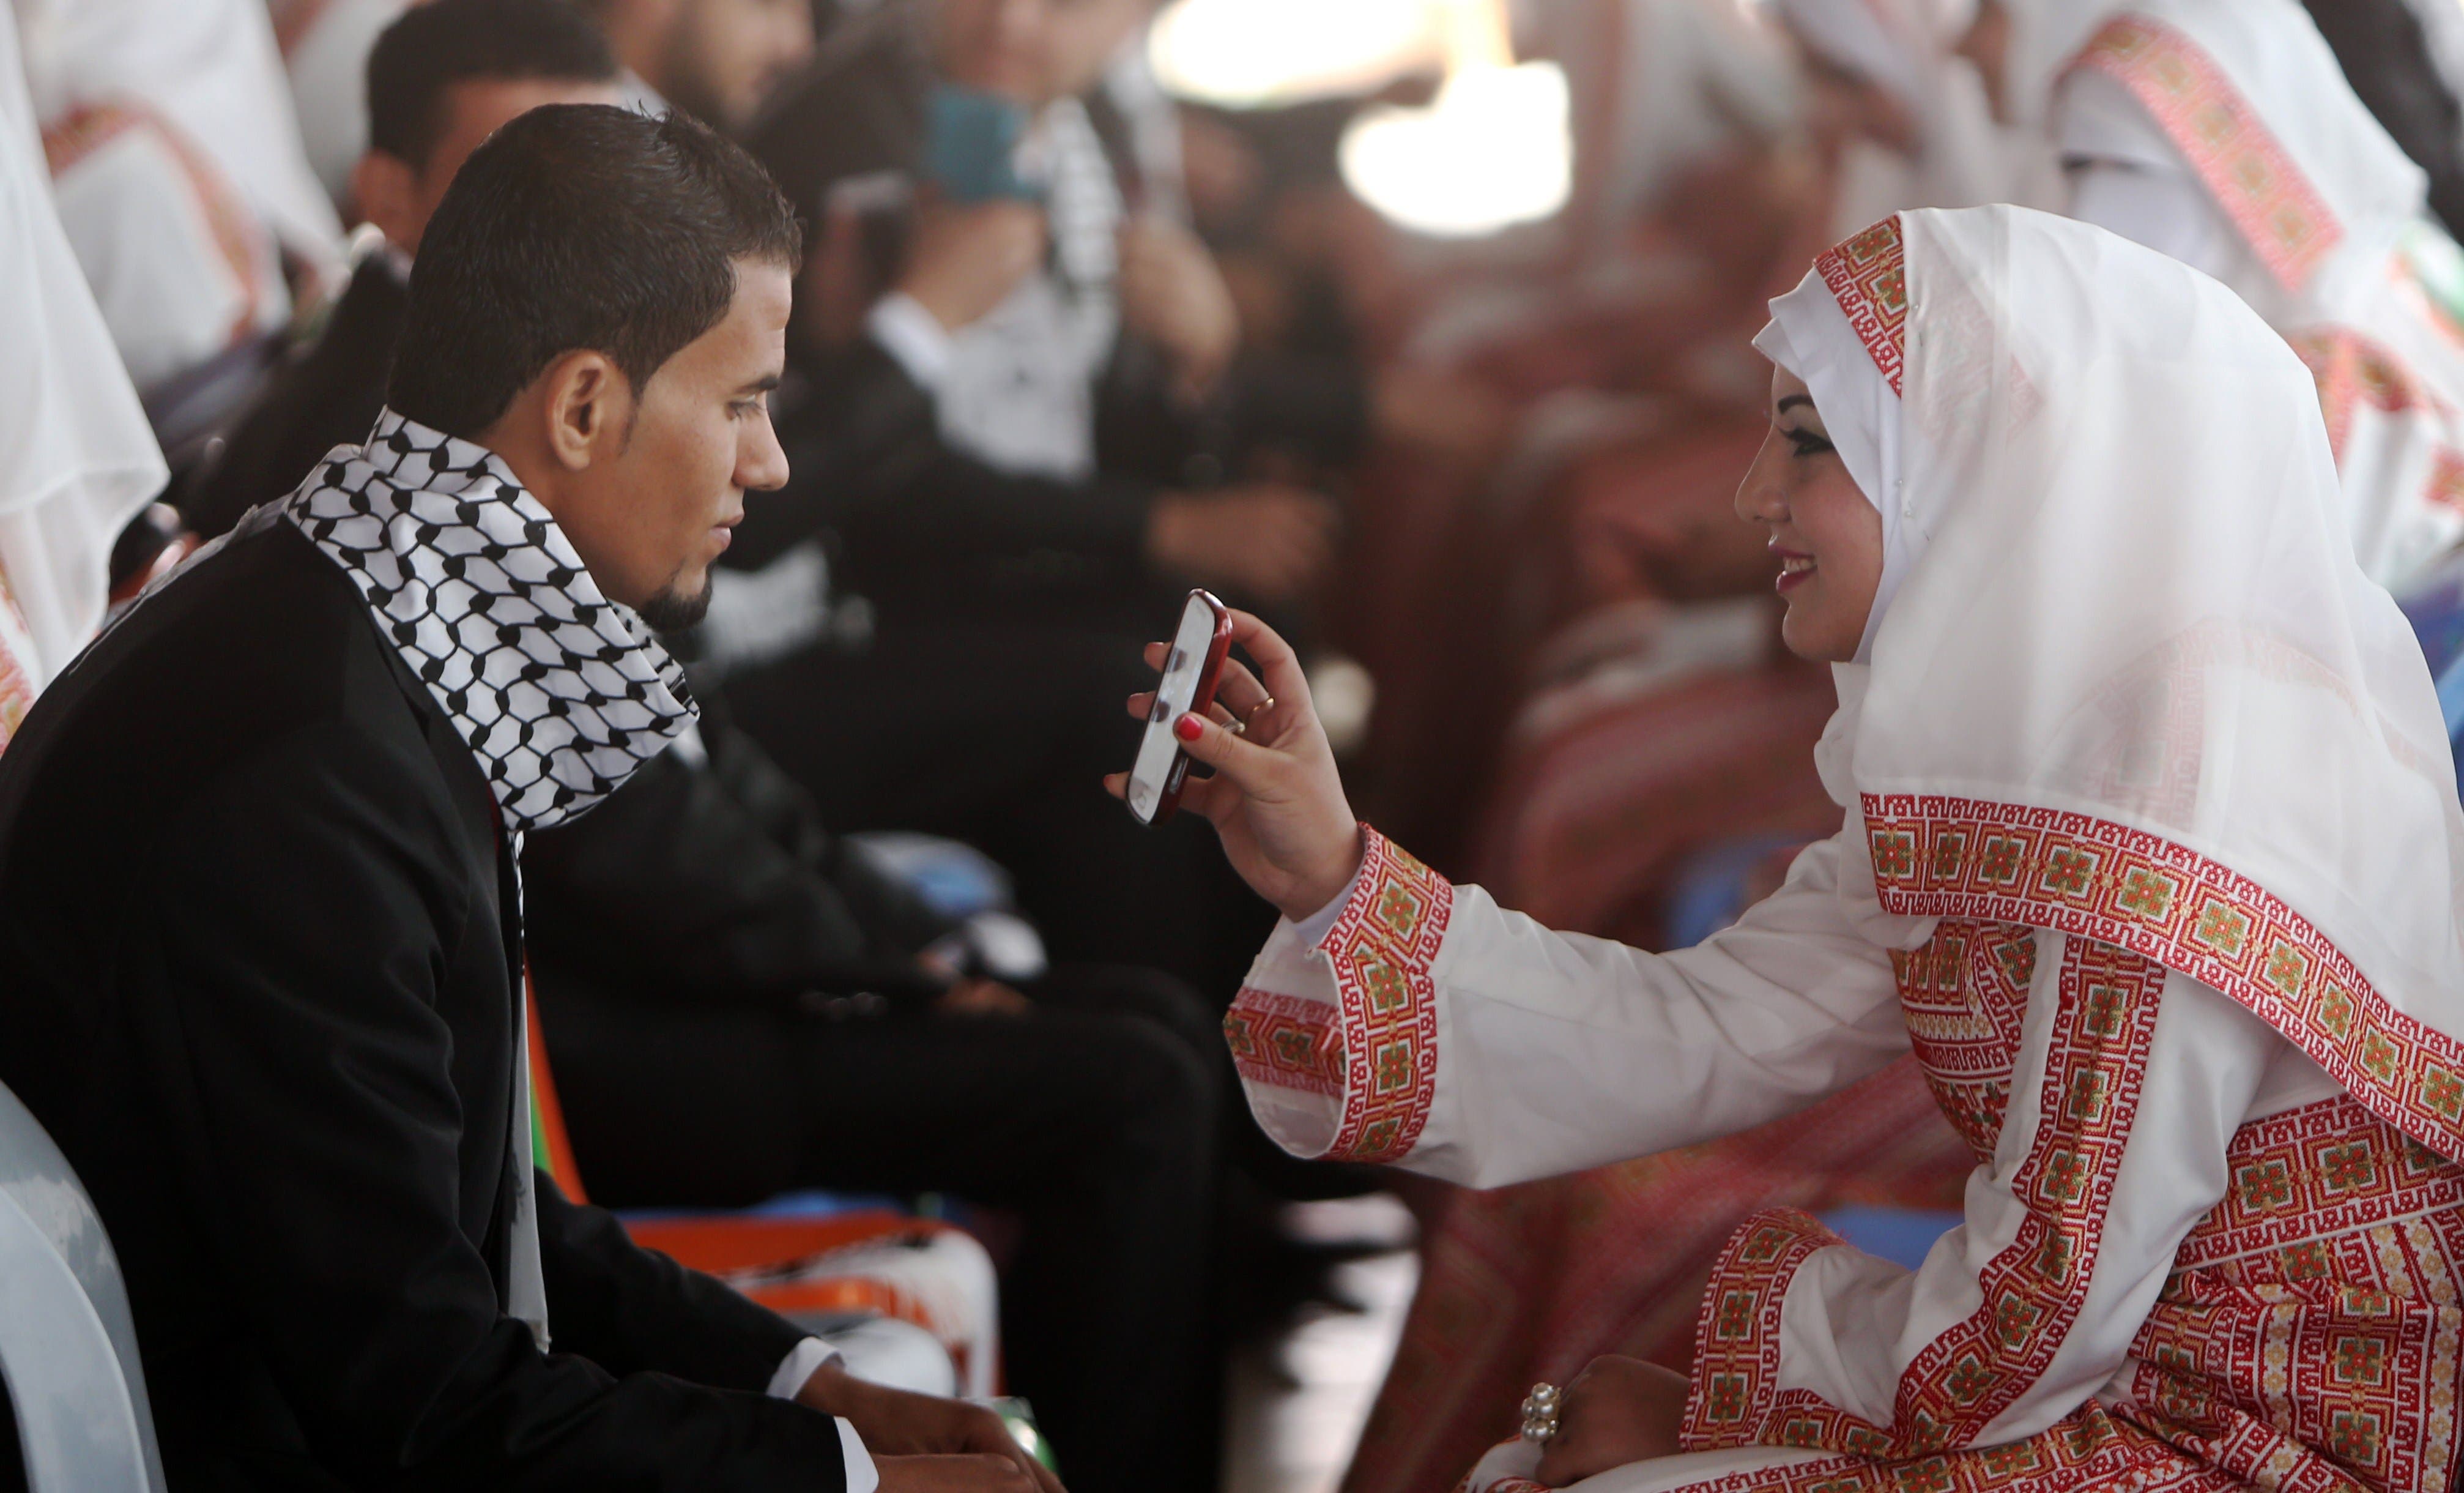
(559, 692)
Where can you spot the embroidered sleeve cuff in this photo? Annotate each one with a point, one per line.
(1337, 1039)
(1312, 931)
(1735, 1398)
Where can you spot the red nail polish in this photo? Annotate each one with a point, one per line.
(1188, 728)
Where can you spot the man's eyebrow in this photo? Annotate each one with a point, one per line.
(760, 386)
(1789, 402)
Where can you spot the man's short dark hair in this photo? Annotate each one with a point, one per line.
(579, 226)
(434, 46)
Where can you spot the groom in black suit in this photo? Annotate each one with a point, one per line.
(259, 902)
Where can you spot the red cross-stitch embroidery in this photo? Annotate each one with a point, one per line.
(2208, 922)
(1963, 994)
(1868, 277)
(1382, 949)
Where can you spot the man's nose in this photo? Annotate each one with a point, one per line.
(762, 462)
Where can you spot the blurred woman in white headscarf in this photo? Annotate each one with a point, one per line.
(76, 460)
(1919, 130)
(2223, 133)
(179, 175)
(2152, 856)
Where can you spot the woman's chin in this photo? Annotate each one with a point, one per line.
(1808, 632)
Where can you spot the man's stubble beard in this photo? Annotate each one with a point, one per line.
(670, 612)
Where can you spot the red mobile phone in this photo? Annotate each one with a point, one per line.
(1199, 645)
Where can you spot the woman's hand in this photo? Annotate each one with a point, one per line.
(1275, 800)
(1616, 1411)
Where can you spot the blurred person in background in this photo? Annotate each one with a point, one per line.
(1904, 119)
(2225, 134)
(2406, 60)
(1003, 295)
(439, 80)
(76, 459)
(923, 627)
(183, 186)
(718, 60)
(325, 46)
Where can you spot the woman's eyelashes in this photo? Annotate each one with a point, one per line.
(1808, 443)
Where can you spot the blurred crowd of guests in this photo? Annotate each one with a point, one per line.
(1065, 346)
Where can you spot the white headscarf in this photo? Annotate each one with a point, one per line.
(1810, 336)
(2132, 684)
(211, 68)
(76, 457)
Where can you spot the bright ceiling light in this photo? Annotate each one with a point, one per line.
(1259, 52)
(1493, 150)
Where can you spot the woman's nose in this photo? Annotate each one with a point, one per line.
(1761, 498)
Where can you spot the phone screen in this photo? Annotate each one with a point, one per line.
(971, 146)
(1155, 774)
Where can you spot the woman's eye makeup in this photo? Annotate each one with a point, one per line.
(1808, 443)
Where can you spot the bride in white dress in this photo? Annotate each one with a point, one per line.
(2151, 853)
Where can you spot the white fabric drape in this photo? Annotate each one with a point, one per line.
(76, 457)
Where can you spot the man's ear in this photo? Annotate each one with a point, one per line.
(387, 191)
(589, 409)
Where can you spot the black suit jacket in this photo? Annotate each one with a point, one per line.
(325, 397)
(717, 884)
(257, 930)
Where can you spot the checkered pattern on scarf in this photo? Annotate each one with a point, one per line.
(559, 692)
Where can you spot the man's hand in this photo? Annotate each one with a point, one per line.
(967, 260)
(932, 1436)
(951, 1475)
(1173, 295)
(1262, 541)
(1617, 1410)
(982, 998)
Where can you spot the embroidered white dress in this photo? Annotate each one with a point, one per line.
(2146, 857)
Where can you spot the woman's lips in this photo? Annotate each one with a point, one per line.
(1794, 569)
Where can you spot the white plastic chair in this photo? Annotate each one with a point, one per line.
(68, 1346)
